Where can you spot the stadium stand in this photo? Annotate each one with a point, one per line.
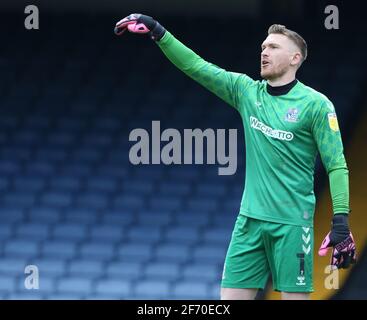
(97, 226)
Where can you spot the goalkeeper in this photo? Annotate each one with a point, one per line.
(286, 123)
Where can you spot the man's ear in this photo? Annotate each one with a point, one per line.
(296, 59)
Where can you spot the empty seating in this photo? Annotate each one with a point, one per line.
(72, 204)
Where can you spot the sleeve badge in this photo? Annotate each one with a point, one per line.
(333, 121)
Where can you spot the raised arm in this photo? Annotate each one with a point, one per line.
(224, 84)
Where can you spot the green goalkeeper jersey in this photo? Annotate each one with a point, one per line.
(283, 134)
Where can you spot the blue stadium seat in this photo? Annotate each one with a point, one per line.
(20, 151)
(40, 168)
(217, 235)
(210, 253)
(190, 290)
(126, 270)
(186, 174)
(173, 253)
(76, 170)
(32, 231)
(113, 170)
(165, 203)
(135, 252)
(128, 202)
(192, 218)
(59, 248)
(156, 219)
(81, 216)
(6, 231)
(224, 220)
(65, 183)
(167, 271)
(202, 204)
(21, 248)
(12, 266)
(85, 268)
(66, 296)
(9, 121)
(31, 184)
(19, 199)
(44, 214)
(51, 267)
(61, 139)
(87, 155)
(174, 188)
(202, 272)
(114, 287)
(26, 137)
(107, 233)
(37, 122)
(152, 289)
(91, 200)
(107, 124)
(211, 190)
(27, 295)
(8, 167)
(102, 184)
(214, 291)
(69, 231)
(97, 250)
(57, 199)
(74, 285)
(118, 217)
(185, 235)
(7, 284)
(232, 206)
(4, 184)
(145, 234)
(98, 139)
(140, 187)
(52, 154)
(11, 214)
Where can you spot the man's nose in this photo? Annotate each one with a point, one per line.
(265, 53)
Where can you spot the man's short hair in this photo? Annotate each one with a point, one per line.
(292, 35)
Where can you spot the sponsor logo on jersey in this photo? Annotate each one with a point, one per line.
(301, 281)
(291, 115)
(270, 132)
(301, 276)
(333, 121)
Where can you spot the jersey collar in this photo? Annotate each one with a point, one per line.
(278, 91)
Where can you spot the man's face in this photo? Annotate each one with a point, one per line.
(277, 56)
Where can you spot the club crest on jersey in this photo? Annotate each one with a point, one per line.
(291, 115)
(333, 121)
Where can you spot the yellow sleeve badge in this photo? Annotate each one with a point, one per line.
(333, 121)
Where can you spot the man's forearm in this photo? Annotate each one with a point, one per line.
(339, 189)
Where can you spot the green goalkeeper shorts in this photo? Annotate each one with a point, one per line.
(260, 248)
